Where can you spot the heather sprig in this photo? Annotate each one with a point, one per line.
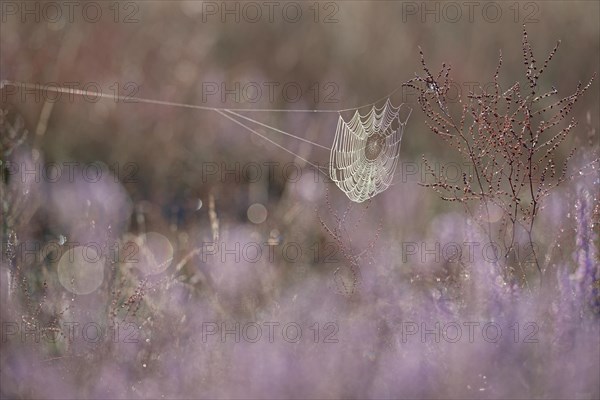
(511, 141)
(587, 274)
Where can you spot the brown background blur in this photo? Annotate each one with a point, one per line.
(172, 50)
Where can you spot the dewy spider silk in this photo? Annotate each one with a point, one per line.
(365, 150)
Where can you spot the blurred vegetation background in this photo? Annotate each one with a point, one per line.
(172, 50)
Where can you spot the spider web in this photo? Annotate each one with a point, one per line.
(365, 152)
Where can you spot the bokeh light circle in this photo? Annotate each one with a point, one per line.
(257, 213)
(81, 270)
